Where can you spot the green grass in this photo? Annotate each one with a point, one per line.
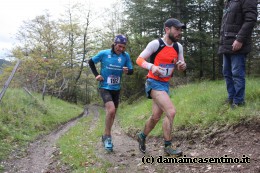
(23, 118)
(198, 105)
(78, 146)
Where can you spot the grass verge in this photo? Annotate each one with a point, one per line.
(23, 118)
(198, 105)
(78, 146)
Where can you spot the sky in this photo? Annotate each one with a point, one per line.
(14, 12)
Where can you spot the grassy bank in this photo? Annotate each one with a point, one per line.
(199, 106)
(24, 117)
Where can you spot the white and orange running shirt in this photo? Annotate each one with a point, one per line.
(166, 59)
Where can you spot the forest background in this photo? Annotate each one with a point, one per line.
(54, 52)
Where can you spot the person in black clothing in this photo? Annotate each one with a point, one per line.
(238, 21)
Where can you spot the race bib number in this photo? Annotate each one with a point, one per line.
(166, 70)
(113, 80)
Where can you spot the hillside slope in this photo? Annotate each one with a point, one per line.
(204, 129)
(24, 117)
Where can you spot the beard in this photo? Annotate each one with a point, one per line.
(172, 38)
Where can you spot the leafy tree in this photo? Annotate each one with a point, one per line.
(55, 52)
(39, 50)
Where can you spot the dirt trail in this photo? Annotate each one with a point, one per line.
(240, 142)
(39, 153)
(233, 142)
(126, 156)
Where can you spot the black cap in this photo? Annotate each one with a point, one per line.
(174, 22)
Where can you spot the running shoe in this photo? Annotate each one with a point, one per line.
(141, 142)
(170, 151)
(107, 142)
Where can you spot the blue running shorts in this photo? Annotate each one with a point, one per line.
(152, 84)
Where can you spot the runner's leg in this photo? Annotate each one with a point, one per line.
(110, 116)
(152, 121)
(110, 110)
(162, 99)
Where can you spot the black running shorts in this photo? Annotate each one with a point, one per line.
(110, 95)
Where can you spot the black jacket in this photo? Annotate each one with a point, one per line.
(238, 21)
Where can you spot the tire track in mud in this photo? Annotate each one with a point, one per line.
(56, 166)
(39, 153)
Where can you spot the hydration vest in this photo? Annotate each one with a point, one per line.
(161, 46)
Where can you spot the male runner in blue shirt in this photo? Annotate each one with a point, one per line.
(114, 62)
